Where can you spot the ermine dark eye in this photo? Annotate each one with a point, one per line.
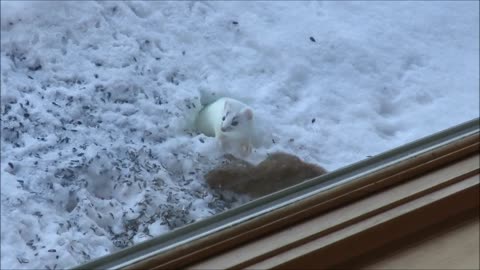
(223, 118)
(234, 123)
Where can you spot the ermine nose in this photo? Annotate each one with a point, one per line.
(223, 129)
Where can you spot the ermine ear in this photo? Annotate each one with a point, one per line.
(226, 106)
(248, 113)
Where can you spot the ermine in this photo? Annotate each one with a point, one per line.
(230, 122)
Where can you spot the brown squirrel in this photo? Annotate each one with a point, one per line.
(278, 171)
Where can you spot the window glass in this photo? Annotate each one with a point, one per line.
(114, 130)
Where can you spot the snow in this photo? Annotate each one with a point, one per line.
(98, 99)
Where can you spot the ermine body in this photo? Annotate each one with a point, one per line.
(230, 122)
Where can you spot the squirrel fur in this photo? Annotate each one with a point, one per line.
(278, 171)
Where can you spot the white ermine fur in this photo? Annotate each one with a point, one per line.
(230, 122)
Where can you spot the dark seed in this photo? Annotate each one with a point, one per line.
(291, 140)
(312, 39)
(52, 250)
(313, 120)
(10, 164)
(201, 140)
(35, 68)
(234, 22)
(22, 260)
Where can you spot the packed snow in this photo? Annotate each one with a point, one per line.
(98, 98)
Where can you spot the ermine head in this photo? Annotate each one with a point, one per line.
(233, 120)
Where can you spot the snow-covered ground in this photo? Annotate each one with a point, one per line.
(97, 100)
